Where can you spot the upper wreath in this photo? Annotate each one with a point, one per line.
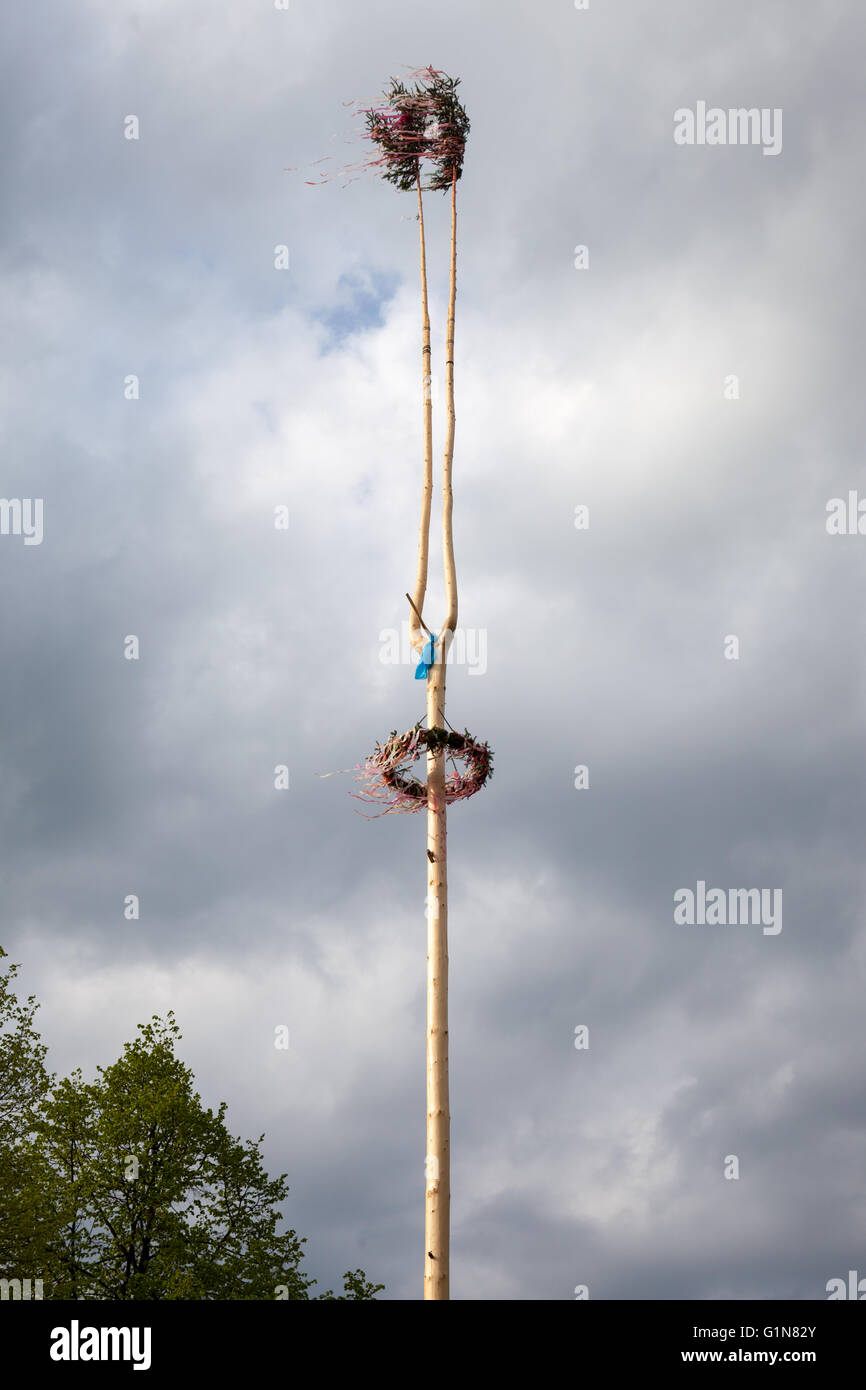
(422, 121)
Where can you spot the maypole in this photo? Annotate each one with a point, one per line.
(438, 1171)
(427, 123)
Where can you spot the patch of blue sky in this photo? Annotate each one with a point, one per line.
(360, 301)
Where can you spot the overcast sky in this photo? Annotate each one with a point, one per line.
(698, 387)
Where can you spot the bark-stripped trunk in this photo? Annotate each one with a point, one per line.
(437, 1235)
(438, 1187)
(416, 633)
(447, 498)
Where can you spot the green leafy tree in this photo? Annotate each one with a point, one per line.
(154, 1198)
(128, 1187)
(24, 1083)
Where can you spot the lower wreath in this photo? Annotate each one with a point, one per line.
(385, 772)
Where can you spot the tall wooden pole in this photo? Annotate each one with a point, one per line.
(437, 1232)
(447, 497)
(437, 1224)
(416, 633)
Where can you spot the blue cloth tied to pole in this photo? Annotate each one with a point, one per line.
(428, 658)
